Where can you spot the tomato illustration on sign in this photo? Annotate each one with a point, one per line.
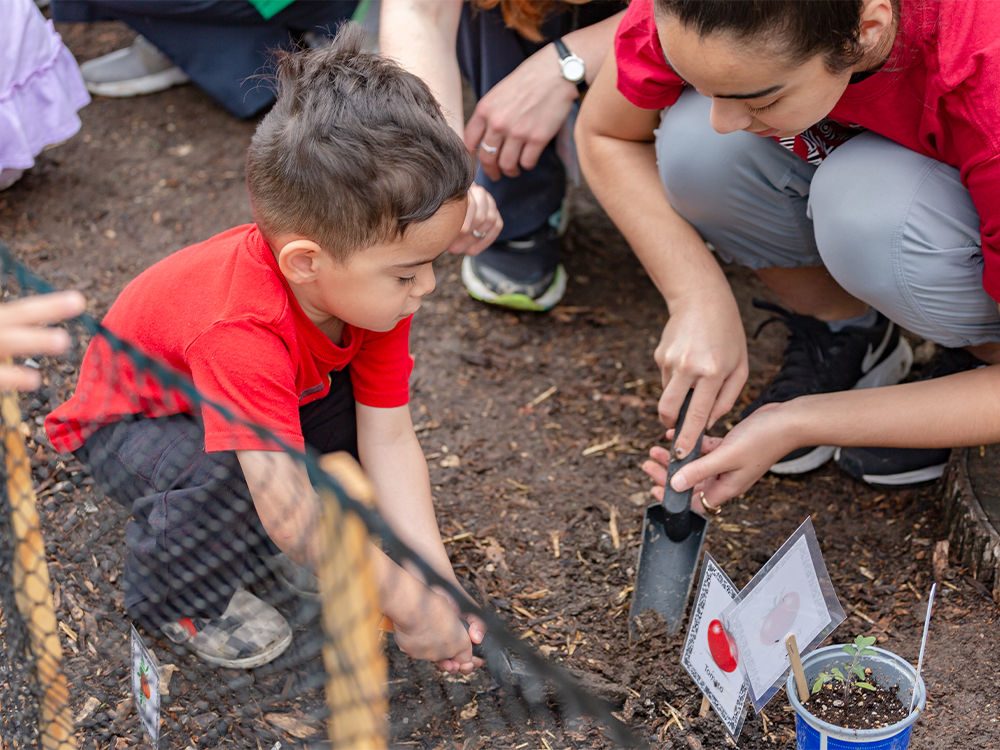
(780, 619)
(143, 680)
(722, 647)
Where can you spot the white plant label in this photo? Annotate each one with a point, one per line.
(792, 593)
(709, 655)
(146, 688)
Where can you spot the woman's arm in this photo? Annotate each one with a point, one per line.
(961, 409)
(421, 35)
(703, 345)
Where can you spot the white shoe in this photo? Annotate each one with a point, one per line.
(138, 69)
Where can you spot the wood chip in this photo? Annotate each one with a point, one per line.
(541, 397)
(457, 537)
(554, 536)
(535, 594)
(89, 707)
(625, 592)
(451, 461)
(602, 446)
(940, 560)
(70, 633)
(470, 711)
(705, 706)
(613, 528)
(518, 485)
(294, 724)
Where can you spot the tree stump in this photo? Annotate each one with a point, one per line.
(972, 512)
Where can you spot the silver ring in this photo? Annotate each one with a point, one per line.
(479, 235)
(489, 149)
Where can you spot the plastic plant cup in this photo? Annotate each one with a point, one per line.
(812, 733)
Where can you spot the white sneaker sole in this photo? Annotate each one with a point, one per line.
(903, 478)
(890, 371)
(148, 84)
(478, 290)
(250, 662)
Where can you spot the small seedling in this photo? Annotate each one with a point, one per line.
(856, 674)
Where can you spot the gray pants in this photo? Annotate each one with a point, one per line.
(896, 229)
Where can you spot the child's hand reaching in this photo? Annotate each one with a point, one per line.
(23, 332)
(482, 224)
(436, 634)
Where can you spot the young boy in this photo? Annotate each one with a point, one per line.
(300, 322)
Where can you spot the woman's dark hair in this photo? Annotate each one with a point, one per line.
(354, 150)
(805, 28)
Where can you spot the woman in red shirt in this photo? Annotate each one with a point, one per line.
(847, 151)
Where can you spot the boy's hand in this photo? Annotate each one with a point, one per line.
(482, 224)
(730, 465)
(436, 634)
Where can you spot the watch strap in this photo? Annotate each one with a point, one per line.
(563, 51)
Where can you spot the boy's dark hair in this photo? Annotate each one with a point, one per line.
(354, 150)
(806, 27)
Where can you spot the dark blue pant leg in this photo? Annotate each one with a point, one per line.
(193, 524)
(487, 53)
(221, 44)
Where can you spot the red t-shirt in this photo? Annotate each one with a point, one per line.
(938, 95)
(221, 313)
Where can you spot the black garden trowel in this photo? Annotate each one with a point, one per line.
(672, 536)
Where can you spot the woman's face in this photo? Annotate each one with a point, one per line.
(752, 86)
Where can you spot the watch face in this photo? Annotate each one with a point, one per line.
(573, 69)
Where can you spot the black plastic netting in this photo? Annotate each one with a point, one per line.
(142, 527)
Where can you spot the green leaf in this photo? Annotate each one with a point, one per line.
(858, 670)
(869, 652)
(818, 685)
(850, 650)
(837, 674)
(865, 685)
(862, 642)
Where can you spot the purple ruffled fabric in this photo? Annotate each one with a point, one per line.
(40, 86)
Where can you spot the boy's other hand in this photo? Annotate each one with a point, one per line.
(482, 224)
(436, 634)
(23, 333)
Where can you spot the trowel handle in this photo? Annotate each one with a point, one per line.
(673, 501)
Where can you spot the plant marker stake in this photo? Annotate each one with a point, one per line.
(800, 676)
(923, 643)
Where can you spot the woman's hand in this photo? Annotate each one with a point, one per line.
(23, 332)
(730, 465)
(702, 347)
(482, 224)
(516, 119)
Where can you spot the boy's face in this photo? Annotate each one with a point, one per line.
(383, 284)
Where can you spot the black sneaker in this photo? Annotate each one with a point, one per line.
(817, 360)
(522, 274)
(899, 467)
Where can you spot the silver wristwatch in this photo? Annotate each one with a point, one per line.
(574, 69)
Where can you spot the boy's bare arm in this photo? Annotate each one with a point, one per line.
(393, 458)
(289, 511)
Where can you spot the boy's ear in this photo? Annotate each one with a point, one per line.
(299, 260)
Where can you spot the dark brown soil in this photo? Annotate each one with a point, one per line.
(863, 709)
(150, 175)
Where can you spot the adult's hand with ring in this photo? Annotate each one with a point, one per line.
(482, 224)
(520, 115)
(730, 466)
